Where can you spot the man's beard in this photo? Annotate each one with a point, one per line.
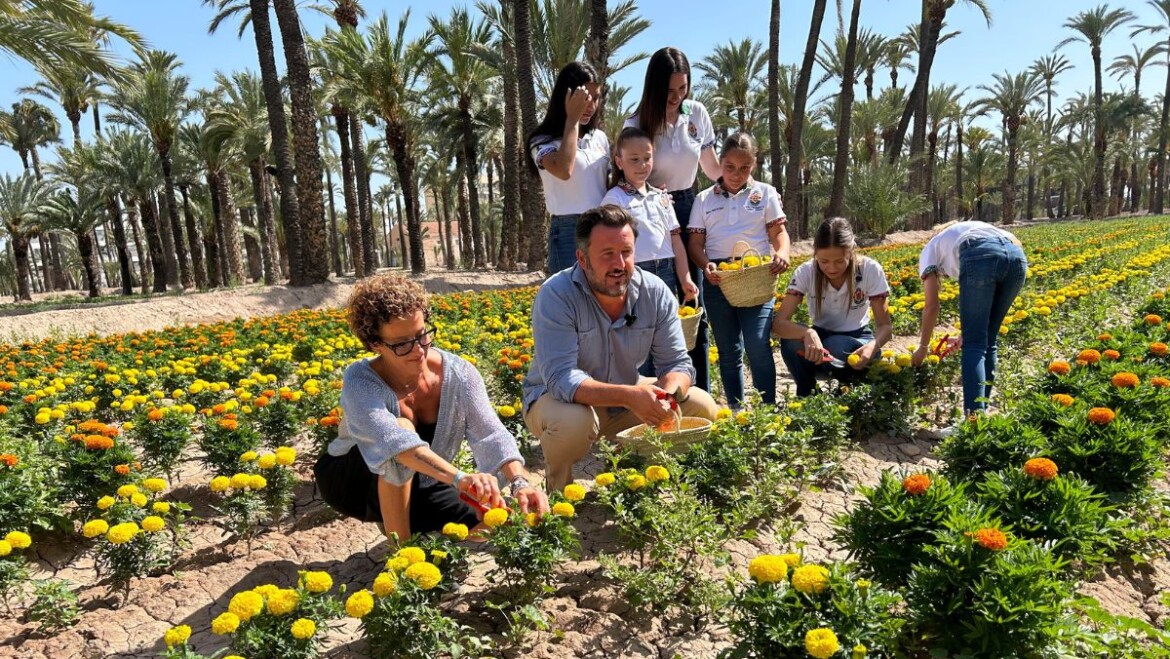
(600, 284)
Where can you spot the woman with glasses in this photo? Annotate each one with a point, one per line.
(406, 413)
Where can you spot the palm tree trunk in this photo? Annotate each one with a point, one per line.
(401, 232)
(1158, 185)
(234, 270)
(535, 224)
(446, 210)
(933, 13)
(466, 229)
(437, 212)
(75, 122)
(362, 181)
(845, 103)
(251, 245)
(510, 222)
(305, 235)
(264, 220)
(960, 202)
(114, 209)
(776, 153)
(274, 102)
(470, 186)
(213, 244)
(97, 121)
(139, 250)
(334, 236)
(20, 251)
(353, 222)
(47, 278)
(85, 250)
(792, 188)
(1030, 212)
(195, 239)
(1098, 206)
(1009, 187)
(404, 165)
(1135, 188)
(597, 45)
(155, 243)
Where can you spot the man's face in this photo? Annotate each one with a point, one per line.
(609, 262)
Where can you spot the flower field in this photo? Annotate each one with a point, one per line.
(155, 497)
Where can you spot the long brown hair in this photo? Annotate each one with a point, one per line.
(651, 110)
(834, 232)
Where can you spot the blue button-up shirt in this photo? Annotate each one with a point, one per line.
(575, 340)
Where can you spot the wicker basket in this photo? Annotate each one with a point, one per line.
(690, 328)
(749, 286)
(691, 430)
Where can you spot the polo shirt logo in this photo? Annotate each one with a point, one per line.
(858, 296)
(756, 198)
(693, 131)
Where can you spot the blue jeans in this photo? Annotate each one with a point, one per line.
(840, 344)
(737, 329)
(683, 201)
(664, 268)
(562, 243)
(991, 274)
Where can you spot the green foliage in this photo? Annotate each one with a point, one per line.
(878, 200)
(85, 473)
(223, 441)
(54, 606)
(29, 494)
(13, 576)
(991, 442)
(276, 419)
(1104, 634)
(826, 420)
(1120, 457)
(408, 624)
(164, 440)
(529, 549)
(268, 635)
(244, 511)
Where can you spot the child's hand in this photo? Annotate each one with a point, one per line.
(712, 273)
(690, 291)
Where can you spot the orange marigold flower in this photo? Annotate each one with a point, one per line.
(218, 409)
(1159, 348)
(155, 415)
(3, 409)
(991, 539)
(286, 395)
(1059, 367)
(1153, 319)
(1062, 399)
(916, 484)
(123, 469)
(261, 401)
(1101, 416)
(98, 442)
(1125, 380)
(228, 424)
(329, 421)
(268, 393)
(9, 459)
(1111, 355)
(1105, 337)
(1160, 382)
(1041, 469)
(1089, 356)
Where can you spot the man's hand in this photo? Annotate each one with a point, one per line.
(647, 404)
(712, 273)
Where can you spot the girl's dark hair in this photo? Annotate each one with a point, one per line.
(834, 232)
(652, 108)
(739, 141)
(575, 74)
(616, 175)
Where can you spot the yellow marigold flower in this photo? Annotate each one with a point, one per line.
(455, 531)
(385, 584)
(531, 519)
(1063, 400)
(161, 507)
(240, 481)
(657, 474)
(225, 623)
(248, 456)
(604, 479)
(438, 556)
(18, 539)
(303, 629)
(1089, 356)
(564, 509)
(903, 360)
(412, 555)
(317, 582)
(220, 484)
(283, 602)
(155, 485)
(768, 569)
(266, 461)
(257, 482)
(1041, 469)
(138, 499)
(992, 539)
(742, 418)
(266, 590)
(1125, 380)
(723, 414)
(933, 359)
(821, 643)
(859, 651)
(5, 548)
(426, 575)
(359, 604)
(246, 605)
(1101, 416)
(105, 502)
(574, 492)
(495, 517)
(863, 584)
(1111, 355)
(397, 564)
(506, 411)
(635, 481)
(153, 524)
(95, 527)
(916, 484)
(285, 456)
(810, 579)
(792, 560)
(177, 635)
(127, 491)
(120, 534)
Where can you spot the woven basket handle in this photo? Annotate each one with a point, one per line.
(743, 248)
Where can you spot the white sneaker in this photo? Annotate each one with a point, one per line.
(941, 433)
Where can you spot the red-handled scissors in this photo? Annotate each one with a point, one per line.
(473, 503)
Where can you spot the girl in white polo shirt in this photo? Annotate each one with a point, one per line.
(572, 157)
(841, 287)
(734, 209)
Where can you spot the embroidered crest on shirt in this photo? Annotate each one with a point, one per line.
(692, 131)
(756, 199)
(858, 296)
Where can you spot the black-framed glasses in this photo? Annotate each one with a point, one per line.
(404, 348)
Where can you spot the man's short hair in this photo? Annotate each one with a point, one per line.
(607, 215)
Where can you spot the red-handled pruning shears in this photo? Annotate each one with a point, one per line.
(826, 356)
(672, 396)
(473, 503)
(947, 345)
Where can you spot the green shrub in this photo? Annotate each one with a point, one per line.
(989, 443)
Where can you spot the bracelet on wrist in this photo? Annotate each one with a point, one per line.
(519, 483)
(459, 475)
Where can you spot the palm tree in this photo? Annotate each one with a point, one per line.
(305, 234)
(29, 126)
(129, 162)
(77, 212)
(733, 71)
(845, 102)
(58, 31)
(465, 78)
(894, 57)
(597, 45)
(535, 226)
(792, 178)
(501, 55)
(153, 99)
(941, 106)
(560, 31)
(1161, 28)
(22, 203)
(775, 153)
(1011, 96)
(215, 151)
(1092, 27)
(1134, 64)
(1048, 68)
(73, 87)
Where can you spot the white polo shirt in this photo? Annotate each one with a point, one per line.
(654, 212)
(677, 149)
(727, 218)
(838, 312)
(941, 254)
(586, 186)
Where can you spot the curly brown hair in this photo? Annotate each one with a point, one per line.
(378, 299)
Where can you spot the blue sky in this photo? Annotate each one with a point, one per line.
(1021, 31)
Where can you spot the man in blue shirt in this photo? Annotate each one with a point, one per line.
(593, 325)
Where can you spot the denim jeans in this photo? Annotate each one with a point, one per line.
(683, 201)
(562, 243)
(737, 329)
(664, 268)
(991, 274)
(840, 344)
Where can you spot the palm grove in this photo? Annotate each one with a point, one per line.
(270, 177)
